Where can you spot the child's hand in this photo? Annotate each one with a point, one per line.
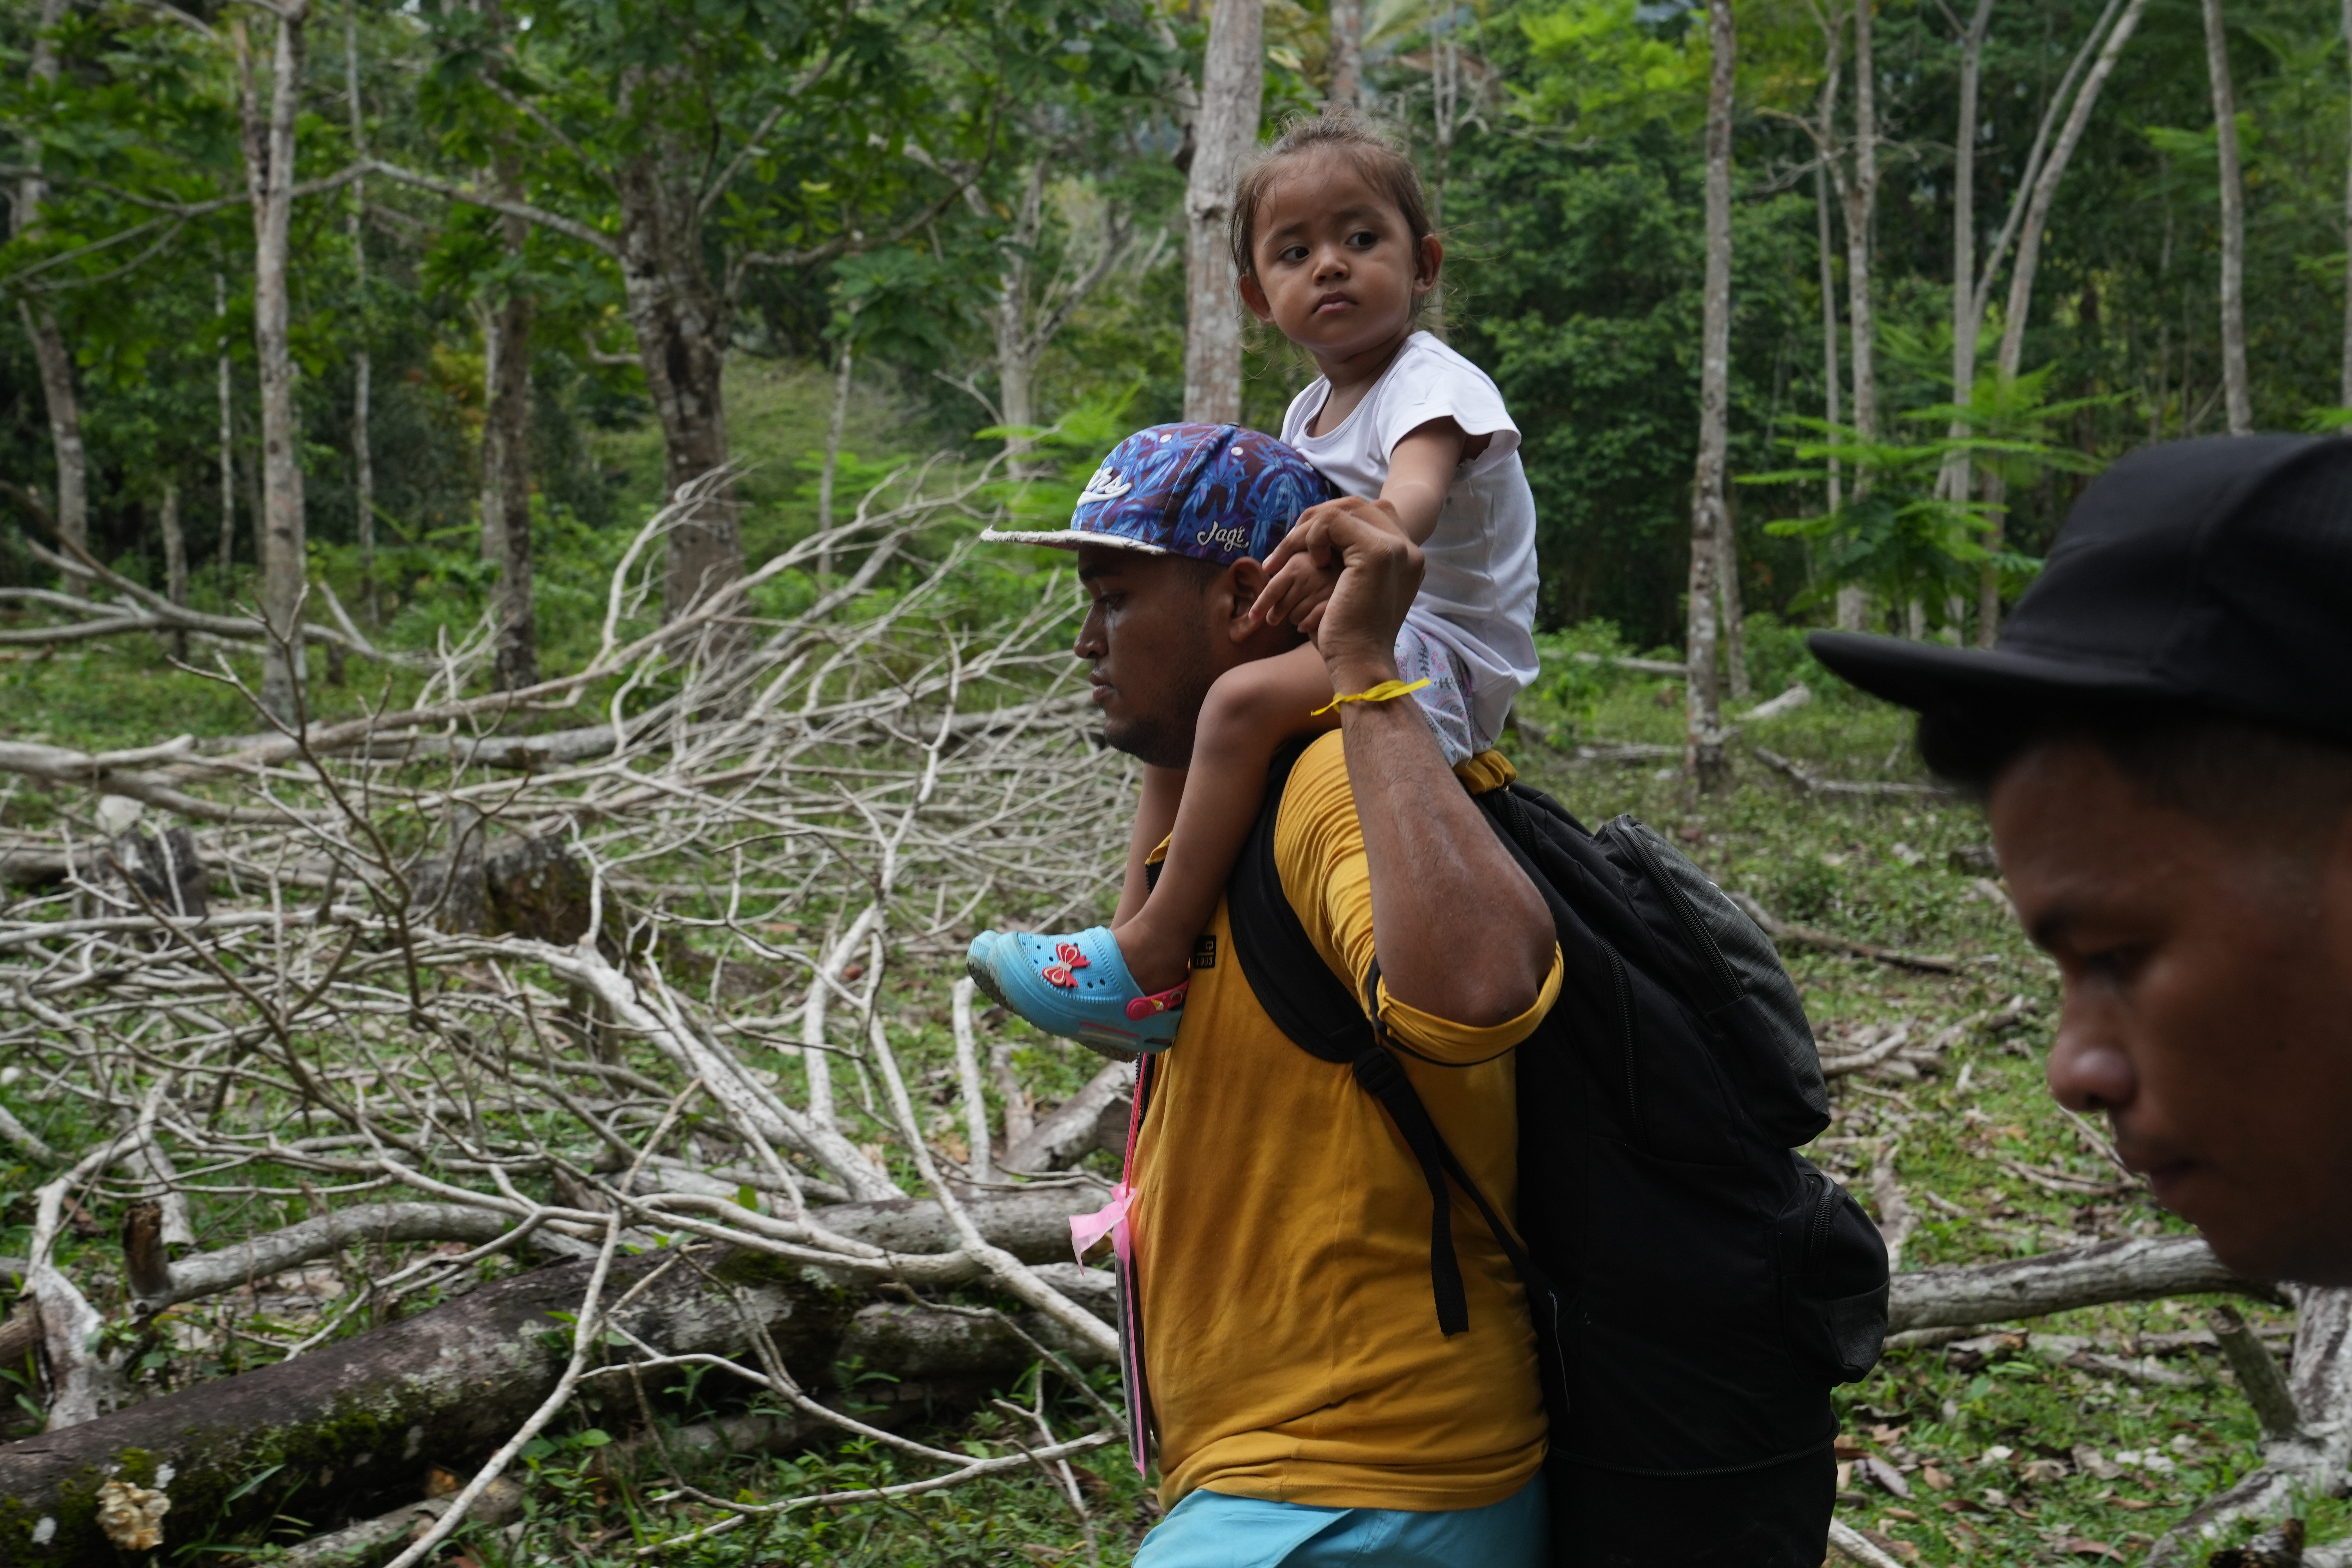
(1297, 589)
(1305, 569)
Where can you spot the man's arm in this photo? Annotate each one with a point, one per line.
(1460, 932)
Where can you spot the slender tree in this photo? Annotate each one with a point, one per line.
(269, 135)
(1232, 93)
(2040, 193)
(507, 447)
(1709, 522)
(1346, 53)
(1861, 224)
(176, 560)
(2236, 394)
(1959, 473)
(227, 384)
(363, 446)
(54, 360)
(1029, 315)
(1825, 139)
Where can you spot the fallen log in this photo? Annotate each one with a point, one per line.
(354, 1424)
(2140, 1268)
(1094, 1118)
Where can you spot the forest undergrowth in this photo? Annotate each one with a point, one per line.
(2071, 1439)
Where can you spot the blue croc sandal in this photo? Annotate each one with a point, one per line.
(1075, 986)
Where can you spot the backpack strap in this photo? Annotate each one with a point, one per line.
(1311, 1005)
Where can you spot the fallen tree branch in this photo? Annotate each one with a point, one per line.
(1811, 783)
(2312, 1457)
(1781, 931)
(1094, 1118)
(2140, 1268)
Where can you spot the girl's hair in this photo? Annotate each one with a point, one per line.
(1338, 132)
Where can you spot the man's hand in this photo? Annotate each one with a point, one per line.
(1373, 571)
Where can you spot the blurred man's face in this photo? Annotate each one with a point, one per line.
(2209, 1001)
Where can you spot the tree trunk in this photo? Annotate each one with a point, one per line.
(367, 1413)
(490, 519)
(1233, 92)
(680, 319)
(2236, 396)
(1860, 222)
(1444, 116)
(506, 434)
(1015, 362)
(1735, 616)
(1960, 473)
(227, 442)
(71, 506)
(2028, 259)
(1832, 409)
(2045, 192)
(363, 370)
(1708, 523)
(269, 183)
(1030, 316)
(176, 562)
(1346, 54)
(843, 370)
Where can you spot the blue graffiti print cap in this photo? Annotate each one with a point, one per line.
(1215, 492)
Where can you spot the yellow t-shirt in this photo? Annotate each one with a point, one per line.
(1281, 1227)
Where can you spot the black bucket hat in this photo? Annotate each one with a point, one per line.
(2214, 573)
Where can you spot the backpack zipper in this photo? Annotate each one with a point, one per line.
(1824, 1200)
(1693, 927)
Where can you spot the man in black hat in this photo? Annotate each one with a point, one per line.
(2163, 740)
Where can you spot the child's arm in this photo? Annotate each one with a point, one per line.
(1421, 470)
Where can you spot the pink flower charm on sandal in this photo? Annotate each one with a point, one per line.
(1069, 954)
(1055, 975)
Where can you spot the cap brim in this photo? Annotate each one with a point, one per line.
(1065, 539)
(1922, 676)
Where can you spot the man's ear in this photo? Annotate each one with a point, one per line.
(1255, 297)
(1246, 578)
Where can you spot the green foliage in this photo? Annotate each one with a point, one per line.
(1903, 535)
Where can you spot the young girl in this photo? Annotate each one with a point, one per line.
(1332, 241)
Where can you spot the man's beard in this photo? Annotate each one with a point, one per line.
(1157, 741)
(1163, 739)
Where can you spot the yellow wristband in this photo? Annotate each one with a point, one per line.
(1386, 691)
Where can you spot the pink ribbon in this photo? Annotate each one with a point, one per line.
(1109, 1220)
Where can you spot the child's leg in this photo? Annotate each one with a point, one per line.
(1250, 711)
(1155, 817)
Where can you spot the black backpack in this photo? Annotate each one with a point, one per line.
(1697, 1287)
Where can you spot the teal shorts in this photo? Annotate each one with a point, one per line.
(1210, 1529)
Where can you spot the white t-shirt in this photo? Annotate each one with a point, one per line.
(1478, 595)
